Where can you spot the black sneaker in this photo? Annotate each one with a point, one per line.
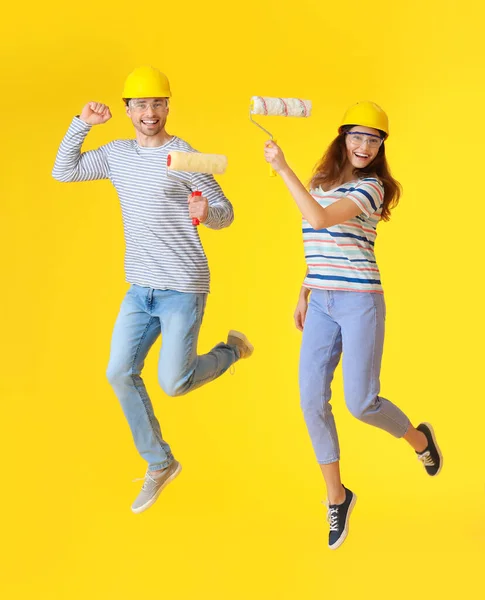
(338, 518)
(430, 457)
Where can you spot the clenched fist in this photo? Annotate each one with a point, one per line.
(95, 113)
(274, 155)
(198, 208)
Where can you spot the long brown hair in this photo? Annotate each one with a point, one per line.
(330, 168)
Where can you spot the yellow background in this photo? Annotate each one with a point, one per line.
(244, 520)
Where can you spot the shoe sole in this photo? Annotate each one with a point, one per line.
(243, 338)
(343, 537)
(152, 501)
(430, 427)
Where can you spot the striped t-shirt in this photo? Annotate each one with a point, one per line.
(342, 256)
(163, 248)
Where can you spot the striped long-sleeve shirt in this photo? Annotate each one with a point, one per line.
(163, 248)
(342, 257)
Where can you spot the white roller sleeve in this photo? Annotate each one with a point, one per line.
(196, 162)
(280, 107)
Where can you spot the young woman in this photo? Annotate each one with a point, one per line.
(350, 192)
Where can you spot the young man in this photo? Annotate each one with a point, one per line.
(164, 262)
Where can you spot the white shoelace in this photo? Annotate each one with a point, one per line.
(332, 518)
(426, 459)
(145, 480)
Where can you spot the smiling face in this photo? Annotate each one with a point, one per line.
(362, 145)
(148, 115)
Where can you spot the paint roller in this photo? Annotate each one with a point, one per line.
(278, 107)
(196, 162)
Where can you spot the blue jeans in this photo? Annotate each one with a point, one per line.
(352, 324)
(145, 313)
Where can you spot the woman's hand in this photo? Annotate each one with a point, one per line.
(300, 312)
(274, 155)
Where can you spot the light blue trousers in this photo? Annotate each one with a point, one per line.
(144, 314)
(348, 324)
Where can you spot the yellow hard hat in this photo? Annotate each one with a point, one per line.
(146, 82)
(367, 114)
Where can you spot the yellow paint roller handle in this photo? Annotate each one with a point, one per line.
(272, 172)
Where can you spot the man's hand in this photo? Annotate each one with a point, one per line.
(95, 113)
(198, 207)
